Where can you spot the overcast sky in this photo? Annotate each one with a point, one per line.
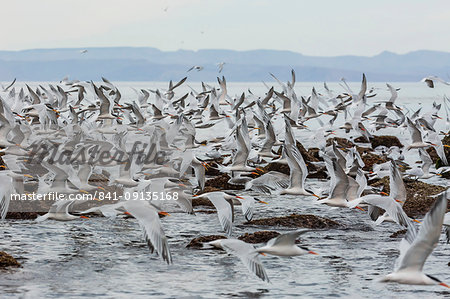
(325, 28)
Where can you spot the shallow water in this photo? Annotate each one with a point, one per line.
(108, 258)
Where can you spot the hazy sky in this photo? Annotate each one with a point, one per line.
(312, 27)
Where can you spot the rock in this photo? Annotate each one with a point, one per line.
(202, 201)
(305, 154)
(370, 159)
(259, 237)
(7, 260)
(385, 140)
(213, 167)
(341, 142)
(23, 215)
(434, 156)
(399, 233)
(295, 220)
(319, 174)
(221, 183)
(418, 196)
(283, 168)
(314, 151)
(197, 243)
(360, 139)
(206, 211)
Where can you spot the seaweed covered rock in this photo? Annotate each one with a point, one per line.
(321, 173)
(283, 168)
(360, 139)
(385, 140)
(418, 195)
(206, 190)
(399, 233)
(202, 201)
(23, 215)
(7, 260)
(212, 168)
(314, 151)
(259, 237)
(198, 242)
(295, 220)
(341, 142)
(370, 159)
(221, 182)
(434, 156)
(305, 154)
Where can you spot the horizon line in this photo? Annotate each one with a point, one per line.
(222, 49)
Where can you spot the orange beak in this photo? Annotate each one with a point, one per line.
(384, 193)
(262, 253)
(312, 252)
(164, 213)
(266, 203)
(255, 173)
(84, 217)
(240, 197)
(359, 208)
(316, 195)
(444, 285)
(416, 221)
(259, 169)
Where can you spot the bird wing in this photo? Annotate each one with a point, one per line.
(224, 210)
(199, 171)
(416, 136)
(341, 183)
(396, 184)
(426, 159)
(6, 183)
(363, 89)
(247, 254)
(247, 205)
(287, 239)
(243, 149)
(298, 169)
(413, 257)
(393, 208)
(361, 180)
(149, 220)
(394, 93)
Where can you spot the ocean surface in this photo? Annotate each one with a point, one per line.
(105, 258)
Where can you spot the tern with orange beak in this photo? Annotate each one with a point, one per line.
(415, 248)
(284, 245)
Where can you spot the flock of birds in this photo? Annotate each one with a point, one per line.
(86, 121)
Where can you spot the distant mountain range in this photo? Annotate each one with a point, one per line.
(150, 64)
